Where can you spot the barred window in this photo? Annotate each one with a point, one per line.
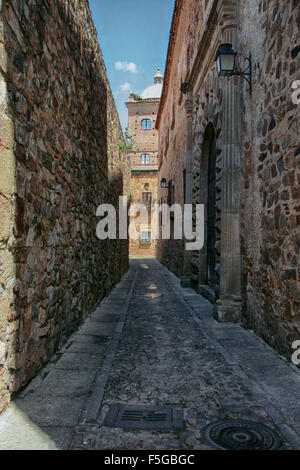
(146, 125)
(145, 236)
(145, 159)
(147, 199)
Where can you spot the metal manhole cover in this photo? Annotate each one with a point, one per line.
(241, 435)
(145, 417)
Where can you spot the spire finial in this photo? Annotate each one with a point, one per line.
(158, 77)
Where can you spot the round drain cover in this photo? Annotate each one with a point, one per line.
(241, 435)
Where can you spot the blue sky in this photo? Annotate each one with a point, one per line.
(133, 36)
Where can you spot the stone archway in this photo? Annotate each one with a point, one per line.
(215, 123)
(214, 101)
(211, 206)
(207, 257)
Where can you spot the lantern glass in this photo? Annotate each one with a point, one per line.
(226, 60)
(164, 183)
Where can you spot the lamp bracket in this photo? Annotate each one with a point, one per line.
(247, 73)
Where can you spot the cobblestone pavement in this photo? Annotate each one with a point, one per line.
(153, 342)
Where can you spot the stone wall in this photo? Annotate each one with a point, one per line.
(271, 172)
(7, 211)
(142, 139)
(255, 142)
(172, 139)
(60, 159)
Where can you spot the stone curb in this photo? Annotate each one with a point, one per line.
(261, 394)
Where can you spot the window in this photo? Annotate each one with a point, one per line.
(166, 144)
(173, 117)
(145, 159)
(145, 236)
(160, 213)
(146, 125)
(171, 193)
(147, 199)
(184, 186)
(171, 197)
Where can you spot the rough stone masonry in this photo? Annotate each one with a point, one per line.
(60, 158)
(238, 154)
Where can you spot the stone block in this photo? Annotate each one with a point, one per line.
(7, 172)
(2, 353)
(67, 383)
(52, 410)
(97, 328)
(80, 361)
(5, 218)
(6, 268)
(6, 131)
(6, 301)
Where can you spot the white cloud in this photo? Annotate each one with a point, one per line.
(125, 87)
(126, 66)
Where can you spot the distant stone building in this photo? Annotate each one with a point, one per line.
(60, 158)
(142, 143)
(238, 153)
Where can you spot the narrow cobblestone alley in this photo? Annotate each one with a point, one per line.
(152, 342)
(149, 227)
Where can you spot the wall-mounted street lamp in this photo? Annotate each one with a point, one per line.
(164, 183)
(226, 64)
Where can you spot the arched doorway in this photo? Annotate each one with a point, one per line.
(207, 257)
(211, 209)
